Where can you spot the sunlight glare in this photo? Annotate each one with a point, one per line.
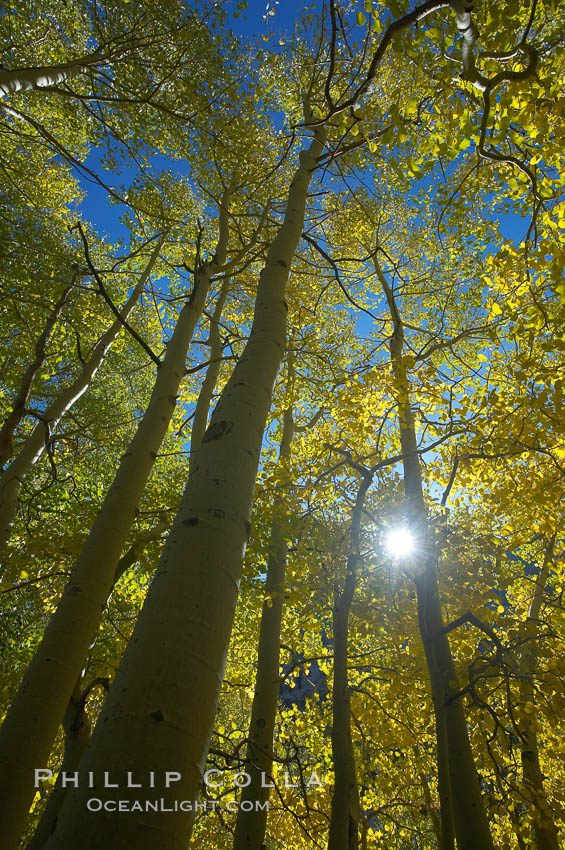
(399, 542)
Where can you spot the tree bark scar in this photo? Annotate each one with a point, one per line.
(216, 431)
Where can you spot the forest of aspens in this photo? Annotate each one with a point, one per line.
(282, 445)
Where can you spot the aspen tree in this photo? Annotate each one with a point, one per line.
(32, 721)
(161, 710)
(21, 400)
(34, 445)
(183, 631)
(344, 820)
(76, 726)
(123, 58)
(202, 409)
(24, 79)
(161, 707)
(545, 833)
(252, 818)
(76, 723)
(463, 793)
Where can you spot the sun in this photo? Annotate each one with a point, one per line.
(399, 542)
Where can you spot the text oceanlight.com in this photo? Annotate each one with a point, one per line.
(95, 804)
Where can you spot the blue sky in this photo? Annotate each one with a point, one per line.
(261, 18)
(251, 24)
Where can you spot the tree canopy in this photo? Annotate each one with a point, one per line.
(281, 432)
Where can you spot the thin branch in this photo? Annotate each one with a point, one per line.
(104, 293)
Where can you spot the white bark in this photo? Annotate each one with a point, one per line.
(21, 399)
(33, 719)
(32, 449)
(25, 79)
(160, 711)
(544, 828)
(251, 823)
(466, 815)
(202, 409)
(76, 723)
(344, 821)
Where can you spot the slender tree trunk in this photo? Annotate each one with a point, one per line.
(77, 733)
(202, 409)
(344, 820)
(545, 832)
(24, 79)
(160, 711)
(32, 721)
(364, 831)
(470, 823)
(18, 410)
(434, 817)
(132, 555)
(447, 837)
(76, 724)
(512, 813)
(33, 447)
(251, 825)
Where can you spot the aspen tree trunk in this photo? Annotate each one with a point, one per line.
(31, 724)
(75, 720)
(470, 823)
(160, 711)
(202, 408)
(24, 79)
(513, 815)
(77, 733)
(344, 820)
(447, 837)
(545, 832)
(434, 817)
(75, 723)
(21, 400)
(33, 447)
(364, 831)
(132, 555)
(251, 825)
